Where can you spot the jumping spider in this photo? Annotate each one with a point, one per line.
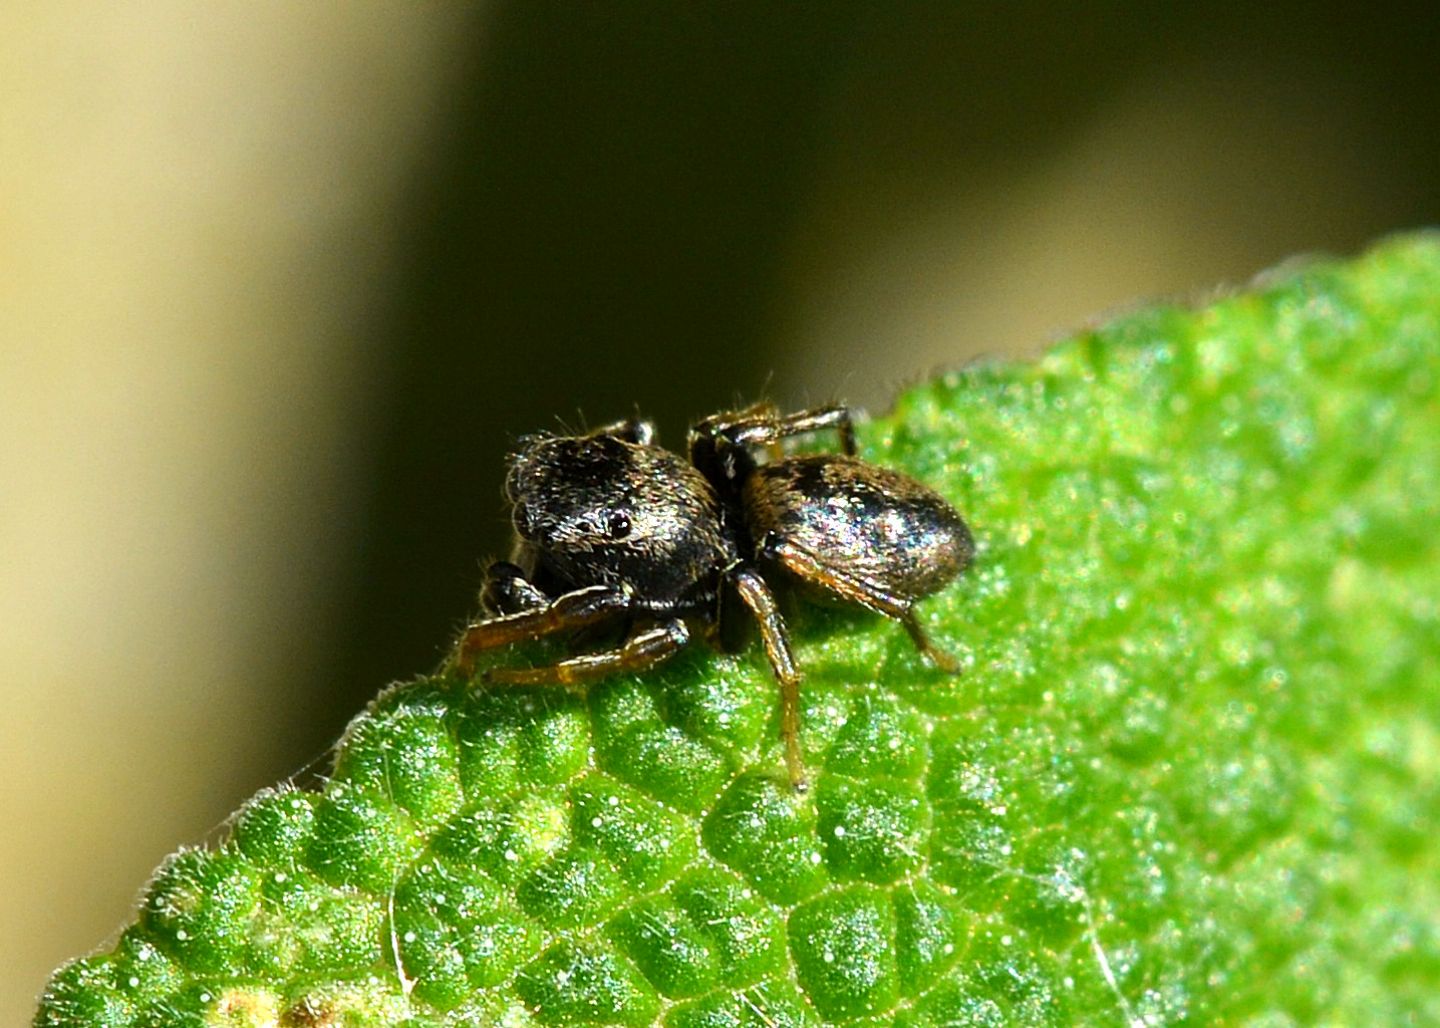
(612, 530)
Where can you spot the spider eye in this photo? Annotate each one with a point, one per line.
(617, 526)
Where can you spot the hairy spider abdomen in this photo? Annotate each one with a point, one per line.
(867, 522)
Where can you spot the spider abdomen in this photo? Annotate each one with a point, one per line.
(868, 522)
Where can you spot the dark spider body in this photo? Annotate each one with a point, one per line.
(600, 510)
(871, 523)
(612, 530)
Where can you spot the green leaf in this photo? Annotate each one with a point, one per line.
(1192, 770)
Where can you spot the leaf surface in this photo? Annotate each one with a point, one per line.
(1191, 772)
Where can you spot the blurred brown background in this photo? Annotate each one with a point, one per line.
(279, 283)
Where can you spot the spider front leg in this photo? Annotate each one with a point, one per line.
(508, 591)
(640, 652)
(568, 613)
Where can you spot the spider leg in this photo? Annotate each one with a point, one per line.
(762, 425)
(567, 613)
(813, 569)
(631, 430)
(761, 601)
(508, 591)
(640, 652)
